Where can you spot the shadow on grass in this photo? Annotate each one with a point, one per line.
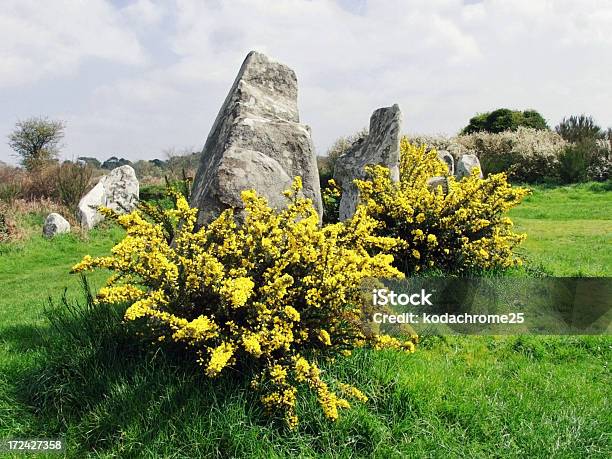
(104, 391)
(22, 338)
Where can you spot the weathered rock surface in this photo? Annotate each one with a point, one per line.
(55, 224)
(448, 159)
(118, 191)
(465, 165)
(256, 142)
(380, 146)
(438, 181)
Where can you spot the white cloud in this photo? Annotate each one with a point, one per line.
(41, 40)
(441, 60)
(145, 12)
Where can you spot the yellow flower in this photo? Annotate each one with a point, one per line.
(324, 337)
(257, 291)
(219, 358)
(292, 314)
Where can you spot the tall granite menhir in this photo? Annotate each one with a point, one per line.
(256, 142)
(380, 146)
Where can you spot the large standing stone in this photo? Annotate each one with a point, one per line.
(466, 164)
(380, 146)
(117, 190)
(256, 142)
(55, 224)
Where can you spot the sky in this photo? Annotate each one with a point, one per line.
(134, 78)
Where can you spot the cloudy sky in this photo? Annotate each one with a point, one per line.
(132, 78)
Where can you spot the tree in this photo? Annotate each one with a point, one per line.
(579, 128)
(36, 141)
(504, 119)
(90, 161)
(114, 162)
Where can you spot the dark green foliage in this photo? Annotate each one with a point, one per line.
(114, 162)
(579, 128)
(532, 119)
(589, 155)
(504, 119)
(326, 171)
(152, 192)
(573, 163)
(331, 203)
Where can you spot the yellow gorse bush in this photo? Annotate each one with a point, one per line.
(463, 230)
(277, 292)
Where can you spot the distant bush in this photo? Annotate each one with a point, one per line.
(42, 183)
(73, 182)
(504, 119)
(145, 169)
(152, 192)
(579, 128)
(583, 161)
(113, 162)
(588, 156)
(89, 161)
(573, 162)
(11, 186)
(526, 155)
(5, 229)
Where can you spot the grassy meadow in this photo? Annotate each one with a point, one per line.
(455, 397)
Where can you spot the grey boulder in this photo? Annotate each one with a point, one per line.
(256, 142)
(448, 159)
(435, 183)
(380, 146)
(466, 164)
(118, 190)
(55, 224)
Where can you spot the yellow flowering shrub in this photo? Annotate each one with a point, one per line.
(462, 230)
(271, 290)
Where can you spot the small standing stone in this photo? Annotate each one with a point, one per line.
(438, 181)
(380, 146)
(466, 164)
(118, 191)
(448, 159)
(55, 224)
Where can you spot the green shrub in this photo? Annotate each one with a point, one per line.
(579, 128)
(459, 231)
(152, 192)
(503, 119)
(584, 160)
(274, 295)
(73, 182)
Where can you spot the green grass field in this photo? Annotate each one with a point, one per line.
(455, 397)
(569, 229)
